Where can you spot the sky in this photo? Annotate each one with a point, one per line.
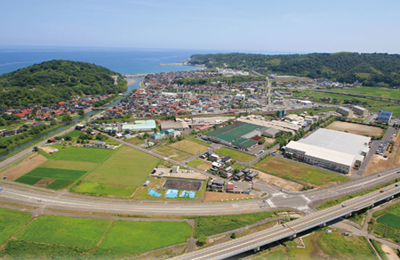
(253, 26)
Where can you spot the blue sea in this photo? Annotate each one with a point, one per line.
(124, 61)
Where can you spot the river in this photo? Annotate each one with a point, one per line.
(133, 83)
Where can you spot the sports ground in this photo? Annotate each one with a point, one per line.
(233, 131)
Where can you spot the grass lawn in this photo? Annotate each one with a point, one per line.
(80, 154)
(236, 155)
(74, 133)
(68, 165)
(136, 236)
(103, 190)
(298, 172)
(200, 164)
(11, 221)
(238, 166)
(112, 142)
(171, 153)
(126, 167)
(189, 146)
(134, 140)
(56, 230)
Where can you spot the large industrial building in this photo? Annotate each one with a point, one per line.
(384, 116)
(331, 149)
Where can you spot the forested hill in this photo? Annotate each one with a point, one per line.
(58, 80)
(375, 69)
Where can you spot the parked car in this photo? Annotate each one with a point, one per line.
(381, 191)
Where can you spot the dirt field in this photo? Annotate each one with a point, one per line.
(218, 196)
(45, 182)
(355, 128)
(390, 253)
(279, 182)
(378, 163)
(47, 149)
(23, 167)
(182, 185)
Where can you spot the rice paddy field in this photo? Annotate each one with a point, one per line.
(51, 178)
(58, 237)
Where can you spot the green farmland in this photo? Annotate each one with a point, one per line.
(380, 92)
(69, 165)
(135, 237)
(57, 237)
(79, 154)
(56, 230)
(236, 155)
(51, 178)
(298, 172)
(388, 222)
(11, 221)
(121, 174)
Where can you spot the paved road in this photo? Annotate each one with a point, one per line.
(277, 233)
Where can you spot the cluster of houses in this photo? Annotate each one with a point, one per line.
(49, 113)
(221, 165)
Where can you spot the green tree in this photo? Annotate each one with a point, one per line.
(2, 122)
(66, 118)
(81, 112)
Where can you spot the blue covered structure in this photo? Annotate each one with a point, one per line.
(384, 116)
(172, 194)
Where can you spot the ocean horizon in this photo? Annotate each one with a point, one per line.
(122, 60)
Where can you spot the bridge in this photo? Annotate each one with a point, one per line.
(291, 229)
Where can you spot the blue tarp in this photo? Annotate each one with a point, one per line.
(187, 194)
(153, 193)
(172, 194)
(146, 183)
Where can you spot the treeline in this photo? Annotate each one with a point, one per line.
(371, 69)
(10, 142)
(58, 80)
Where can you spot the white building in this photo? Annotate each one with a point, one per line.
(331, 149)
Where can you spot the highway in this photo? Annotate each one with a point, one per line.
(292, 228)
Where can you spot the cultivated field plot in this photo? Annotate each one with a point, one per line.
(277, 181)
(50, 177)
(127, 167)
(135, 236)
(320, 245)
(23, 167)
(135, 141)
(11, 221)
(236, 155)
(79, 154)
(56, 230)
(200, 164)
(171, 153)
(189, 147)
(388, 222)
(69, 165)
(182, 185)
(298, 172)
(355, 128)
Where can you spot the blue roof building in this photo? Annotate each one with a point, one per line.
(384, 116)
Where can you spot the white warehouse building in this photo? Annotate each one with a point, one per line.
(331, 149)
